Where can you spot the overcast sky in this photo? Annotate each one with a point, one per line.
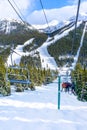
(33, 13)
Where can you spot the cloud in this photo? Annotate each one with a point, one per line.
(83, 7)
(37, 17)
(74, 2)
(6, 11)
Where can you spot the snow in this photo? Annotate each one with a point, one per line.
(46, 60)
(8, 28)
(81, 43)
(57, 24)
(44, 55)
(44, 26)
(38, 110)
(17, 56)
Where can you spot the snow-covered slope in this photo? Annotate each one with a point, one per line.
(55, 25)
(10, 25)
(18, 53)
(38, 110)
(46, 60)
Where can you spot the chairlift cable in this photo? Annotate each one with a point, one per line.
(45, 15)
(20, 18)
(77, 14)
(19, 15)
(79, 1)
(16, 11)
(15, 52)
(23, 15)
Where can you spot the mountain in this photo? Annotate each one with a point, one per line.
(12, 25)
(55, 25)
(14, 33)
(47, 54)
(15, 27)
(8, 26)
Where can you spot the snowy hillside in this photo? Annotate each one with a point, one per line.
(55, 24)
(46, 59)
(10, 25)
(38, 110)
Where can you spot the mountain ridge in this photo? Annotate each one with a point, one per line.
(53, 25)
(20, 30)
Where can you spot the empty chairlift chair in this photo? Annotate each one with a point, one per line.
(18, 75)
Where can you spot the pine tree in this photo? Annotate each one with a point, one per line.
(4, 84)
(79, 75)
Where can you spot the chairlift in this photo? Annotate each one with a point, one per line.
(13, 80)
(13, 67)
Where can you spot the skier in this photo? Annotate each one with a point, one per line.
(73, 87)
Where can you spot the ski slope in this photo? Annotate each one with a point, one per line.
(49, 61)
(38, 110)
